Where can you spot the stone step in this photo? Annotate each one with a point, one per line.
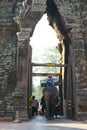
(10, 113)
(82, 115)
(6, 119)
(7, 115)
(2, 113)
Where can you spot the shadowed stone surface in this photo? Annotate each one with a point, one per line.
(17, 21)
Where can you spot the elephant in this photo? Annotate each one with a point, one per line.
(50, 94)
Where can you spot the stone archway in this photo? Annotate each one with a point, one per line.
(55, 20)
(69, 21)
(26, 23)
(63, 23)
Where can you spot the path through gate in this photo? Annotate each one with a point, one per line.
(31, 65)
(24, 78)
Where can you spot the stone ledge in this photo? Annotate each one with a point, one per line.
(6, 118)
(82, 115)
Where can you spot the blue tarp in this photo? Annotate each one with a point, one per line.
(50, 83)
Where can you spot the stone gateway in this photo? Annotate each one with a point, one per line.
(17, 22)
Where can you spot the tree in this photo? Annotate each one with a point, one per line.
(49, 55)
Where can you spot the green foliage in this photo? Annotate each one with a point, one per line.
(37, 91)
(49, 55)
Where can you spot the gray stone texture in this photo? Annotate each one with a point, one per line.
(16, 16)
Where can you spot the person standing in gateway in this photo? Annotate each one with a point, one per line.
(35, 106)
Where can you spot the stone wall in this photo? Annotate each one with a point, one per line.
(74, 13)
(8, 51)
(26, 14)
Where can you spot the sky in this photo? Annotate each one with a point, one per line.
(43, 36)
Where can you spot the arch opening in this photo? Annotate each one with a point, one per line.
(57, 23)
(44, 50)
(55, 20)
